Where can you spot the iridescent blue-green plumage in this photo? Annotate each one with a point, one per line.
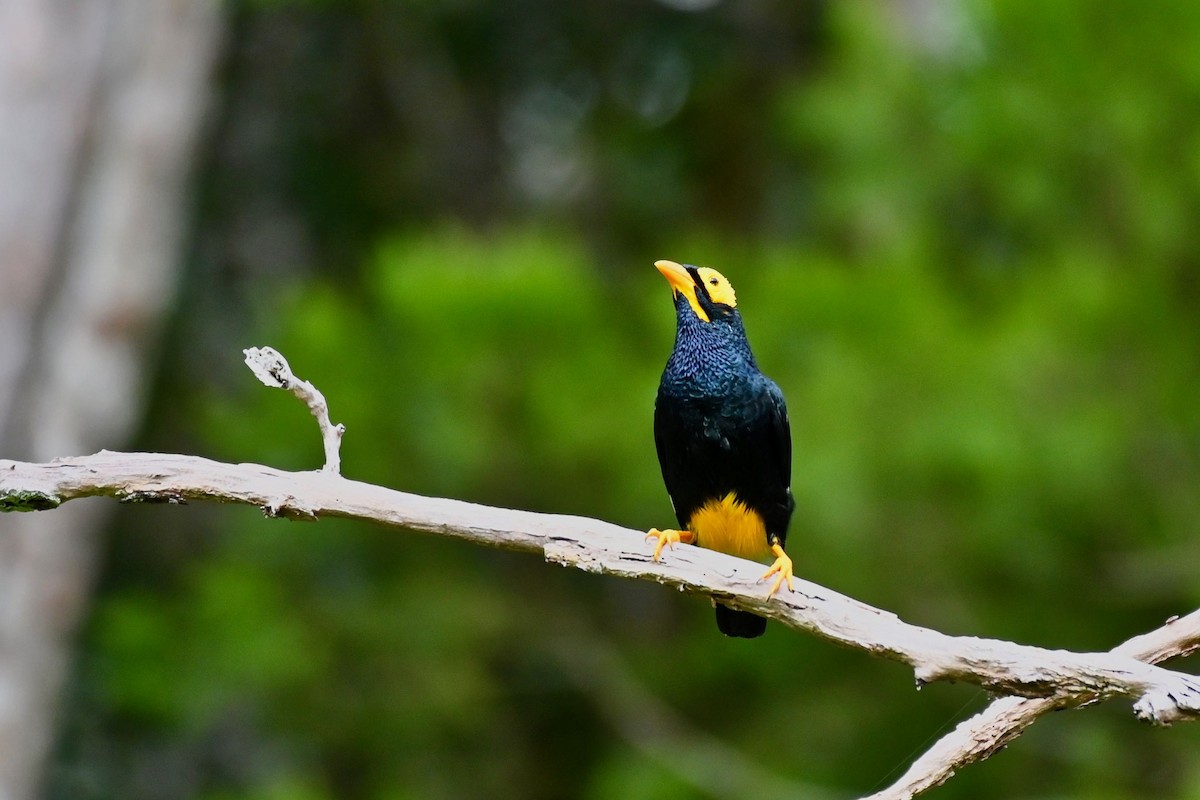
(721, 426)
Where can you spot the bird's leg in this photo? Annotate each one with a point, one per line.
(668, 538)
(782, 565)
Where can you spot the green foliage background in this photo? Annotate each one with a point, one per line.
(964, 243)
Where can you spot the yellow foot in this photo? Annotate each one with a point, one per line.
(783, 566)
(668, 538)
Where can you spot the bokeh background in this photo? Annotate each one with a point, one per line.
(964, 239)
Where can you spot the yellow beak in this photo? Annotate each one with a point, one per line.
(677, 276)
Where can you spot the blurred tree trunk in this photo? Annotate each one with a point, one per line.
(100, 106)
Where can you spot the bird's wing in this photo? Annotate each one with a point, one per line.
(667, 460)
(779, 432)
(687, 479)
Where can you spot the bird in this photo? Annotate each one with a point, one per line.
(723, 438)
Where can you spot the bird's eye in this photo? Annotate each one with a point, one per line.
(713, 281)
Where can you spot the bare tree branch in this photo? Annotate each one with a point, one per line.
(984, 734)
(1161, 696)
(270, 367)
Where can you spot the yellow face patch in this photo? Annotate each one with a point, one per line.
(718, 287)
(729, 526)
(715, 284)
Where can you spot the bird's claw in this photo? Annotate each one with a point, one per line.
(667, 538)
(782, 566)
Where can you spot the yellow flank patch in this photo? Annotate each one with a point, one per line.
(728, 525)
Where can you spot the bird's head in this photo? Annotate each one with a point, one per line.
(706, 291)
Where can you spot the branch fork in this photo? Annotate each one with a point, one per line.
(270, 367)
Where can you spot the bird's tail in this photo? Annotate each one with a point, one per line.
(742, 624)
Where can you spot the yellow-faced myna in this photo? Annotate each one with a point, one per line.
(723, 437)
